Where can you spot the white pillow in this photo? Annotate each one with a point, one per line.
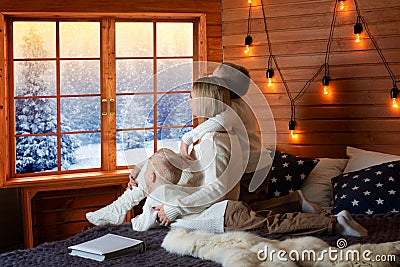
(317, 187)
(361, 159)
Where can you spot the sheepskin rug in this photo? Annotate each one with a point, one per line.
(245, 249)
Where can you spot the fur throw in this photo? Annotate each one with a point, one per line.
(246, 249)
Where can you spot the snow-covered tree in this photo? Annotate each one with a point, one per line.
(37, 116)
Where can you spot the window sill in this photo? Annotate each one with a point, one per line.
(71, 181)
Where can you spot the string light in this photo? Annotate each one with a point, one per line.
(248, 40)
(270, 72)
(363, 25)
(325, 83)
(342, 5)
(393, 95)
(358, 28)
(292, 128)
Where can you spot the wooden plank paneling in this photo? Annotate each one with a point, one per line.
(61, 213)
(358, 111)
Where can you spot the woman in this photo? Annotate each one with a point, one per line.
(214, 175)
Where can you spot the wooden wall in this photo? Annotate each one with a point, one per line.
(358, 111)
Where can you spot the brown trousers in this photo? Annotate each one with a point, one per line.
(278, 215)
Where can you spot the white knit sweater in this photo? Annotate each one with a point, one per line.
(244, 125)
(216, 172)
(211, 219)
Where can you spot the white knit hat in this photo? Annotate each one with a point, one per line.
(237, 81)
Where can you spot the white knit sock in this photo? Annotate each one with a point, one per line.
(346, 225)
(115, 212)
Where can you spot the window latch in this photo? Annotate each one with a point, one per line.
(108, 106)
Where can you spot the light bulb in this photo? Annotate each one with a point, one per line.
(249, 2)
(358, 29)
(357, 38)
(293, 135)
(342, 5)
(393, 95)
(394, 103)
(325, 83)
(269, 84)
(247, 49)
(269, 74)
(326, 90)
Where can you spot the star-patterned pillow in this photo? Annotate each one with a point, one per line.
(372, 190)
(288, 173)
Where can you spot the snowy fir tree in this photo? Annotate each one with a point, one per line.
(37, 116)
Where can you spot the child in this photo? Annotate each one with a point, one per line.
(165, 162)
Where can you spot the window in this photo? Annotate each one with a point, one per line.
(97, 94)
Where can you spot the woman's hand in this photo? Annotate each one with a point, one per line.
(184, 150)
(162, 217)
(132, 177)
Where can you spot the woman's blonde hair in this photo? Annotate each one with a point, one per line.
(211, 97)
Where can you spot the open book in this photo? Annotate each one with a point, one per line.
(108, 246)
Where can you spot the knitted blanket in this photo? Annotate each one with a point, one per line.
(381, 228)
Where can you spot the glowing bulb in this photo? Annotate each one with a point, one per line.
(326, 90)
(342, 5)
(249, 2)
(394, 103)
(247, 49)
(357, 38)
(269, 84)
(293, 135)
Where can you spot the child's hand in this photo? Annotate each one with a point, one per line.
(132, 178)
(184, 150)
(161, 216)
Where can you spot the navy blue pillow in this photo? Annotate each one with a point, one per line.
(288, 173)
(372, 190)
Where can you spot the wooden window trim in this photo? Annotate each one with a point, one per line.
(107, 176)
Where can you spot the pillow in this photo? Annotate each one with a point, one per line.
(288, 172)
(371, 190)
(317, 187)
(360, 159)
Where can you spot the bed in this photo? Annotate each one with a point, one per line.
(381, 227)
(381, 220)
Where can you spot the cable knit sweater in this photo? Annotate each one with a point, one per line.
(243, 123)
(214, 175)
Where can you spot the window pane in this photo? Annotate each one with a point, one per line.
(79, 39)
(135, 111)
(80, 113)
(35, 116)
(174, 75)
(34, 39)
(81, 151)
(135, 75)
(36, 78)
(131, 147)
(80, 77)
(173, 110)
(134, 39)
(171, 138)
(134, 146)
(36, 154)
(174, 39)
